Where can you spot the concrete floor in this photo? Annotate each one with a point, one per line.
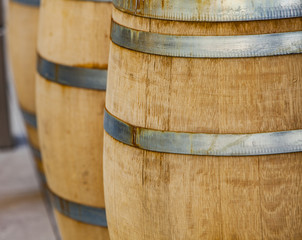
(23, 215)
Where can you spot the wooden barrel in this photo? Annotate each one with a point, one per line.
(203, 121)
(22, 42)
(73, 49)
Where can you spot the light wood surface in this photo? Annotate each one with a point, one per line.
(161, 196)
(73, 33)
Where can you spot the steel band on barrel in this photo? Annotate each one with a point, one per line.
(42, 177)
(39, 164)
(220, 11)
(35, 3)
(203, 144)
(207, 46)
(29, 118)
(36, 152)
(79, 77)
(82, 213)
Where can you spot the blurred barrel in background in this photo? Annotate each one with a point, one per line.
(22, 42)
(203, 120)
(73, 49)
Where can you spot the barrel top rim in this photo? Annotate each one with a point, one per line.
(229, 10)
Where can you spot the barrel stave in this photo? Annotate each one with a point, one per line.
(74, 34)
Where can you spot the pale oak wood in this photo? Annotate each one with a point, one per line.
(166, 196)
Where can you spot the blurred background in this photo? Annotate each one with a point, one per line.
(24, 214)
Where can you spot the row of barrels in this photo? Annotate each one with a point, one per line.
(202, 117)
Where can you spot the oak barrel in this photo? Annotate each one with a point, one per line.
(22, 42)
(203, 121)
(73, 49)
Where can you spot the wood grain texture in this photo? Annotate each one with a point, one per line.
(72, 162)
(86, 44)
(281, 196)
(166, 196)
(73, 33)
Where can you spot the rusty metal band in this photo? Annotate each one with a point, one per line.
(79, 212)
(203, 144)
(35, 3)
(29, 118)
(212, 11)
(207, 46)
(87, 78)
